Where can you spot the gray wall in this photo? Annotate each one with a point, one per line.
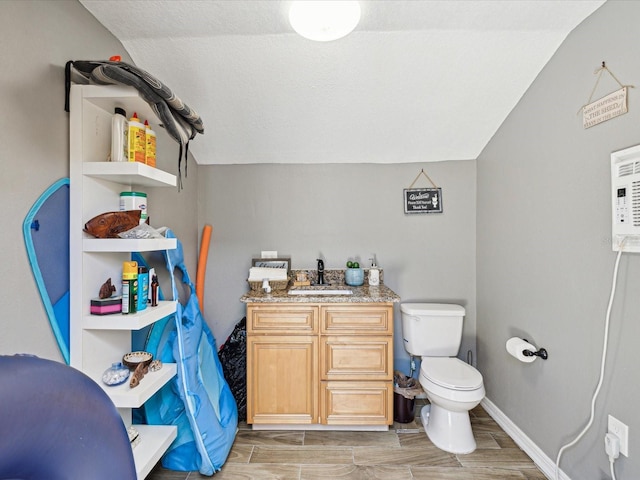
(37, 38)
(340, 212)
(544, 259)
(544, 265)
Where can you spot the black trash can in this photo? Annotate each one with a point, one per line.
(403, 408)
(404, 393)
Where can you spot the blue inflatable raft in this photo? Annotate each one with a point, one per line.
(198, 401)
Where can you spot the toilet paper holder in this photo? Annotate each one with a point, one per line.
(542, 353)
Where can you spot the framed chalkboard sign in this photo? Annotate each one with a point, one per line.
(422, 200)
(284, 262)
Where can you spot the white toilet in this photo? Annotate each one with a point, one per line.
(433, 331)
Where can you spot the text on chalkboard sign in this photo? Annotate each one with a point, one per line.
(422, 200)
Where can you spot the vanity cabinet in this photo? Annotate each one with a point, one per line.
(95, 185)
(324, 364)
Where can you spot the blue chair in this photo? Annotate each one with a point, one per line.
(56, 423)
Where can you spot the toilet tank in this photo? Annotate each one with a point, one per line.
(432, 329)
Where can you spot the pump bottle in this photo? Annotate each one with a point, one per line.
(374, 273)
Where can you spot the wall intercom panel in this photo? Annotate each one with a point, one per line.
(625, 199)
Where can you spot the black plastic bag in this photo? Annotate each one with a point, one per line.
(233, 357)
(408, 387)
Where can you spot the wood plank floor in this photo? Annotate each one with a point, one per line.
(402, 453)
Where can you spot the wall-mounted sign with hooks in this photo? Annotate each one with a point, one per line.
(605, 108)
(422, 200)
(610, 106)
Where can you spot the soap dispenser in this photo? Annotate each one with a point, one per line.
(374, 273)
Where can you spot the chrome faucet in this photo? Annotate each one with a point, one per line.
(320, 272)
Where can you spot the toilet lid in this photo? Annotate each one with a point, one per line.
(451, 373)
(439, 309)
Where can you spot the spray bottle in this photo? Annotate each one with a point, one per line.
(129, 287)
(154, 290)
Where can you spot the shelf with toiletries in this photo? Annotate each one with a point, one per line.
(132, 321)
(97, 341)
(127, 397)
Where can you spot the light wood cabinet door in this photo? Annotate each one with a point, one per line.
(356, 403)
(282, 379)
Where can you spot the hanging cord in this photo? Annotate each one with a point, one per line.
(602, 365)
(422, 172)
(599, 72)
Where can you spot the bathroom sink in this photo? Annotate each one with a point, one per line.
(320, 290)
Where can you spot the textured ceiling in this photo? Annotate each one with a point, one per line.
(417, 81)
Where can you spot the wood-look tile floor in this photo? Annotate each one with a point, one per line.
(404, 452)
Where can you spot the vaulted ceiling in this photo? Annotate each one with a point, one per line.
(417, 81)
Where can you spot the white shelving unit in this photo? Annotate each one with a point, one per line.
(95, 185)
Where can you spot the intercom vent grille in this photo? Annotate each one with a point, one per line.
(628, 168)
(635, 203)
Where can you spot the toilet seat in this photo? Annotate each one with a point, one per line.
(450, 373)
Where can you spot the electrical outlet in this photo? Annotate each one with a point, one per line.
(621, 431)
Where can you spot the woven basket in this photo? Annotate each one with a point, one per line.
(256, 286)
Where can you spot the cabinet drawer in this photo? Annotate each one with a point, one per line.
(290, 319)
(356, 357)
(356, 403)
(357, 319)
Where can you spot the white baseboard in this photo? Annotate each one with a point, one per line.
(544, 463)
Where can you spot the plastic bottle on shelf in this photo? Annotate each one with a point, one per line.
(119, 145)
(154, 290)
(143, 287)
(129, 287)
(150, 142)
(137, 140)
(135, 201)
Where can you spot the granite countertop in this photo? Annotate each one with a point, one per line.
(363, 294)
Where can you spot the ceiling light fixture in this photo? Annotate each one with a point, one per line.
(324, 20)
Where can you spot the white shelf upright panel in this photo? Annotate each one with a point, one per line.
(95, 185)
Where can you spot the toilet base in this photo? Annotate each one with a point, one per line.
(447, 430)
